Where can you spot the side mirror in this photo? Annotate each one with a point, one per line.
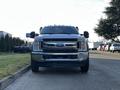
(86, 34)
(31, 35)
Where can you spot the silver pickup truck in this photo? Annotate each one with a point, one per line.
(60, 46)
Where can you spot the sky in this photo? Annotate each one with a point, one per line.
(19, 17)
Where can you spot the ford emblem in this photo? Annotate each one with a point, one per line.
(60, 45)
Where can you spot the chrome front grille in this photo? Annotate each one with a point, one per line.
(59, 46)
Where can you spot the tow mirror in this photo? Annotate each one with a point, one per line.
(31, 35)
(86, 34)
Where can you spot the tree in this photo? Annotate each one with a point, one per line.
(8, 43)
(2, 44)
(113, 12)
(108, 28)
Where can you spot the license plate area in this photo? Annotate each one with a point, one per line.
(60, 56)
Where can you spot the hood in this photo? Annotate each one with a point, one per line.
(57, 36)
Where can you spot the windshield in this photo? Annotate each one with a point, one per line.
(59, 30)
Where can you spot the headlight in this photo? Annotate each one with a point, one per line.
(37, 46)
(82, 46)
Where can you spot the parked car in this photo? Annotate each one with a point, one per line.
(21, 49)
(115, 47)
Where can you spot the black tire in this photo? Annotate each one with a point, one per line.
(34, 67)
(85, 67)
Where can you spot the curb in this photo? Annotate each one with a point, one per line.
(10, 79)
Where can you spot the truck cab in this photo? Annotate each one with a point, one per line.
(60, 46)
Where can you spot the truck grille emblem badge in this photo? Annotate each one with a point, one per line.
(59, 45)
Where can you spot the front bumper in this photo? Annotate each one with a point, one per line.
(38, 60)
(40, 56)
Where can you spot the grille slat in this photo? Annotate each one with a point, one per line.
(61, 39)
(60, 51)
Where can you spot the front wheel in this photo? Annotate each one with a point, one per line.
(34, 67)
(85, 67)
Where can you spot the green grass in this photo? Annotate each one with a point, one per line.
(10, 63)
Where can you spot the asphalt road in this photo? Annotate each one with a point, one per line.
(104, 74)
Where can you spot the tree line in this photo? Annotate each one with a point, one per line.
(7, 43)
(109, 27)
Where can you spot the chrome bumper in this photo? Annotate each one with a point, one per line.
(38, 56)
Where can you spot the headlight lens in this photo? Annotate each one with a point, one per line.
(82, 46)
(36, 46)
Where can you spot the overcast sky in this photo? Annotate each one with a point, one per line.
(21, 16)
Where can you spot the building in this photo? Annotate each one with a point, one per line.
(3, 34)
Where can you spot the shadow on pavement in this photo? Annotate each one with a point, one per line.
(59, 71)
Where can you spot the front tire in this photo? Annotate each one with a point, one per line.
(85, 66)
(34, 67)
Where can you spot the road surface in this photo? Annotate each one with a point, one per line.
(104, 74)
